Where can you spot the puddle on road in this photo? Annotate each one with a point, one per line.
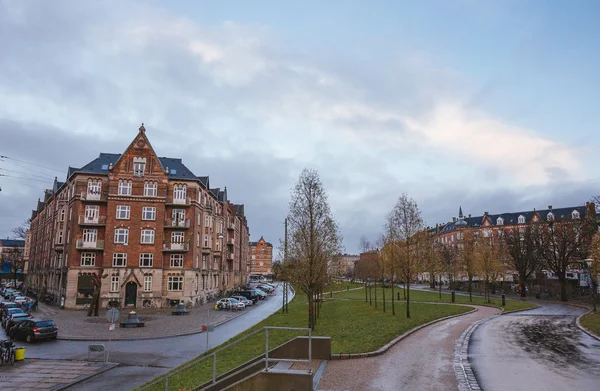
(552, 339)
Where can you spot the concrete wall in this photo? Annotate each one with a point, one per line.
(276, 381)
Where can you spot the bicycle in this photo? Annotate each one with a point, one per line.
(149, 304)
(7, 352)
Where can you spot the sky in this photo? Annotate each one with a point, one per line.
(491, 106)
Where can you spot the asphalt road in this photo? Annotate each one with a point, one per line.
(536, 350)
(144, 359)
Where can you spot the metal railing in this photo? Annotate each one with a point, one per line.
(213, 355)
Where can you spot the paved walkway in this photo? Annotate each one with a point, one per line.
(421, 362)
(159, 323)
(51, 375)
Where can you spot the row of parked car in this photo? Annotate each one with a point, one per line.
(20, 324)
(249, 296)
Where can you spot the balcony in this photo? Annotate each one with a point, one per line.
(217, 253)
(175, 247)
(206, 250)
(183, 224)
(176, 201)
(97, 221)
(93, 197)
(229, 256)
(91, 246)
(59, 247)
(231, 241)
(231, 226)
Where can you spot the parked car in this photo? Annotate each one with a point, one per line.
(9, 312)
(6, 305)
(266, 288)
(250, 295)
(19, 299)
(15, 318)
(8, 292)
(229, 303)
(34, 330)
(258, 292)
(244, 300)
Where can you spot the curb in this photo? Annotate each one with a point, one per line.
(108, 368)
(584, 329)
(194, 331)
(462, 367)
(386, 347)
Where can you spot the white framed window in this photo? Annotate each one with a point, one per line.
(146, 260)
(139, 168)
(175, 283)
(88, 259)
(499, 221)
(261, 263)
(521, 219)
(123, 212)
(114, 284)
(205, 241)
(176, 260)
(94, 188)
(575, 215)
(199, 218)
(149, 213)
(198, 239)
(177, 237)
(147, 283)
(121, 236)
(550, 216)
(207, 221)
(178, 215)
(150, 189)
(119, 260)
(60, 237)
(124, 188)
(90, 235)
(62, 215)
(179, 193)
(147, 236)
(254, 257)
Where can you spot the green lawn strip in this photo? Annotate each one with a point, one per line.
(353, 326)
(340, 286)
(421, 295)
(591, 322)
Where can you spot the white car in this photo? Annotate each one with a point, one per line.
(19, 299)
(243, 300)
(230, 303)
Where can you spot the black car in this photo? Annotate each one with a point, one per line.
(250, 295)
(34, 330)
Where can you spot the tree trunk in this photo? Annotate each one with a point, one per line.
(383, 293)
(563, 288)
(440, 286)
(404, 290)
(366, 298)
(370, 294)
(310, 310)
(522, 282)
(393, 308)
(470, 289)
(375, 294)
(407, 292)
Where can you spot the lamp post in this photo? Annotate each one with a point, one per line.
(588, 263)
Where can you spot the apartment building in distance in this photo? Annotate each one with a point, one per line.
(261, 257)
(152, 229)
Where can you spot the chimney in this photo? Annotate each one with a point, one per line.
(550, 207)
(454, 219)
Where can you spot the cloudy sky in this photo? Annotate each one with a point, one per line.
(488, 105)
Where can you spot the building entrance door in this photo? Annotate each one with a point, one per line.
(130, 293)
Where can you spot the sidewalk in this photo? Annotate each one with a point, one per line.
(159, 323)
(50, 375)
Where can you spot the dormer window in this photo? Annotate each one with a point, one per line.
(499, 221)
(521, 219)
(550, 216)
(575, 215)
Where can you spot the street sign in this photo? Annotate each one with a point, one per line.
(111, 327)
(211, 329)
(112, 315)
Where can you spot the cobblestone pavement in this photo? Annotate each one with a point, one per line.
(421, 362)
(76, 325)
(51, 375)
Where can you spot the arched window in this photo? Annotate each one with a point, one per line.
(575, 215)
(521, 219)
(499, 221)
(550, 216)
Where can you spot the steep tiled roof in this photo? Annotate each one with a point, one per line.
(204, 180)
(513, 218)
(176, 168)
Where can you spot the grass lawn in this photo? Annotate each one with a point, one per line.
(340, 286)
(420, 295)
(591, 322)
(352, 325)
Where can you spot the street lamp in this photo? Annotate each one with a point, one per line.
(588, 263)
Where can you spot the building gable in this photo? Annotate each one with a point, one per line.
(140, 150)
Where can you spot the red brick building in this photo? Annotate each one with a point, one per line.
(261, 257)
(152, 227)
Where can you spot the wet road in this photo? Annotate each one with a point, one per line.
(144, 359)
(421, 362)
(537, 350)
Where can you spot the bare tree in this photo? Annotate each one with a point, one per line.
(467, 258)
(97, 283)
(21, 231)
(405, 222)
(448, 255)
(13, 258)
(522, 251)
(561, 243)
(314, 239)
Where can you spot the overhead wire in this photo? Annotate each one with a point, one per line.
(25, 173)
(33, 164)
